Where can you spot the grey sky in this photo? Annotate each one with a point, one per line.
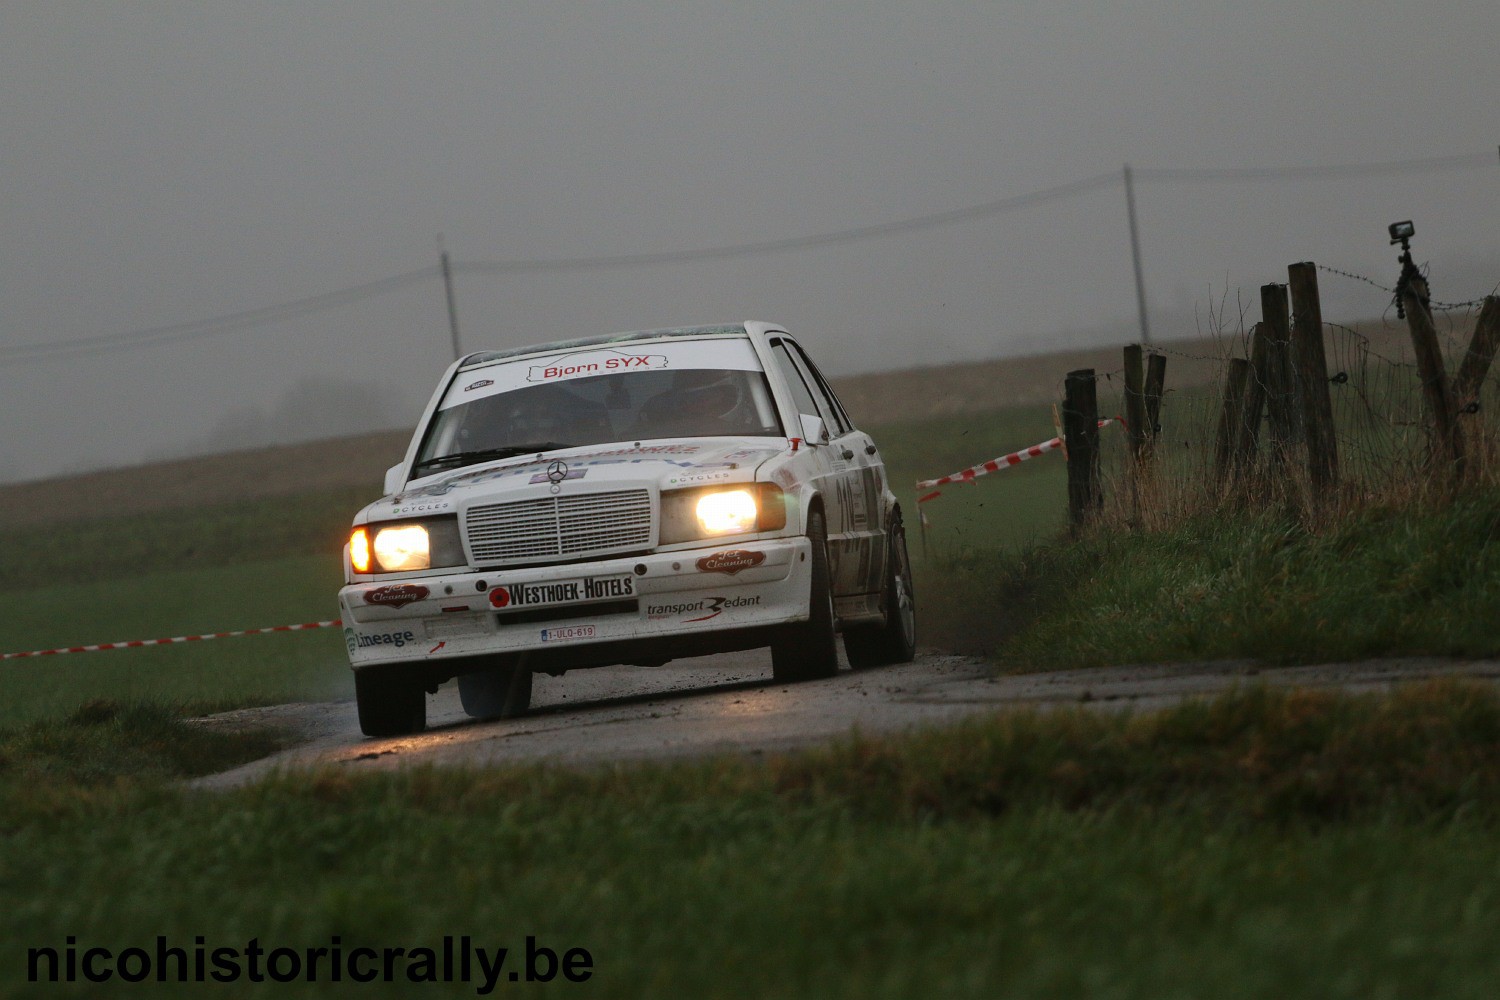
(166, 162)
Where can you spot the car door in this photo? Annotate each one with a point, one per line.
(832, 471)
(851, 548)
(866, 490)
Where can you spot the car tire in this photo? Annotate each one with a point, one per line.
(809, 650)
(895, 640)
(391, 701)
(501, 692)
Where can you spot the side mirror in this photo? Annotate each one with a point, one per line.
(393, 479)
(813, 431)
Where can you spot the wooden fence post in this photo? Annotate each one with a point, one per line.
(1156, 380)
(1447, 446)
(1311, 364)
(1255, 398)
(1476, 363)
(1135, 401)
(1081, 434)
(1229, 418)
(1281, 400)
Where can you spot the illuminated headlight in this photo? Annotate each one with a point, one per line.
(406, 546)
(726, 513)
(402, 548)
(709, 513)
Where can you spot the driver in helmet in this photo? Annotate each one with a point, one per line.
(699, 403)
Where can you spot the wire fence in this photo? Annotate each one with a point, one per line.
(1384, 439)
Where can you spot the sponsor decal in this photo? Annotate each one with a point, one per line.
(479, 385)
(699, 477)
(587, 363)
(396, 595)
(567, 632)
(397, 639)
(546, 477)
(421, 508)
(730, 561)
(351, 640)
(562, 591)
(703, 610)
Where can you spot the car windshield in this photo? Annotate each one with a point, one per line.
(539, 405)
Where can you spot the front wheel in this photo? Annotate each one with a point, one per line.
(895, 640)
(502, 692)
(391, 701)
(809, 650)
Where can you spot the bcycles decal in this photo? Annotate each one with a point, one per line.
(700, 477)
(714, 606)
(397, 595)
(594, 588)
(420, 508)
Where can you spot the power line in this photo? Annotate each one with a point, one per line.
(280, 312)
(795, 242)
(1427, 165)
(214, 326)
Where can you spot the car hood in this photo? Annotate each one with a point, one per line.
(666, 465)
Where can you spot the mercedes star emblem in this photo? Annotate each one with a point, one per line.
(557, 472)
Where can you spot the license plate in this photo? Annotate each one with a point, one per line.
(567, 632)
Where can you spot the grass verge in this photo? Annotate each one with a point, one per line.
(1403, 579)
(1262, 844)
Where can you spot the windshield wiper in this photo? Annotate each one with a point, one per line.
(461, 458)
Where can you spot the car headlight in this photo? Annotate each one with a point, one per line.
(406, 546)
(713, 512)
(726, 513)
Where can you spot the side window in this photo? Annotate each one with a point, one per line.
(806, 401)
(845, 425)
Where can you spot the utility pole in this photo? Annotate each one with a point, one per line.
(448, 287)
(1135, 256)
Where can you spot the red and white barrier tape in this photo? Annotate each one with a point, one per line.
(995, 464)
(136, 643)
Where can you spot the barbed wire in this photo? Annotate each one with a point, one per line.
(1436, 304)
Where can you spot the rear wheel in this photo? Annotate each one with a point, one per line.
(502, 692)
(808, 650)
(391, 701)
(894, 641)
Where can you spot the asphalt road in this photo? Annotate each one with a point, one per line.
(729, 704)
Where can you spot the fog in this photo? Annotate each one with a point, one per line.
(168, 163)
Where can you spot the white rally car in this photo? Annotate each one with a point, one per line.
(624, 499)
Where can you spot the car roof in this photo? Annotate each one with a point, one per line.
(722, 330)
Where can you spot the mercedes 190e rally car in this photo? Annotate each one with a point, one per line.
(624, 499)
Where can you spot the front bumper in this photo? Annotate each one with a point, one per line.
(672, 608)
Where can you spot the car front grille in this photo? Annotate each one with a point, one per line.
(589, 524)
